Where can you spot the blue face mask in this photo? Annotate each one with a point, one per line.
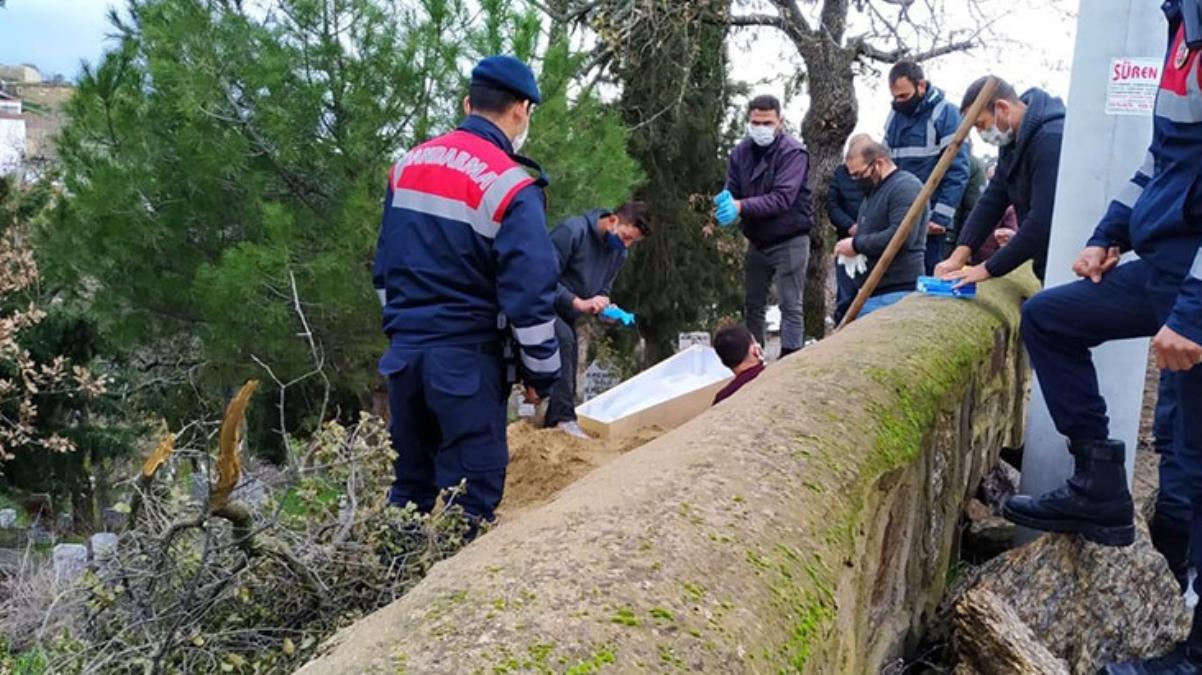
(615, 242)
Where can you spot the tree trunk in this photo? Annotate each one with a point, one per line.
(829, 121)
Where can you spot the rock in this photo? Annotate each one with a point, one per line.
(987, 538)
(70, 560)
(1087, 604)
(976, 511)
(1000, 484)
(8, 518)
(992, 640)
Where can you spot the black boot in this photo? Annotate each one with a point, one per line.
(1094, 503)
(1185, 659)
(1171, 538)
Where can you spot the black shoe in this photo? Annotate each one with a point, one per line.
(1094, 503)
(1185, 659)
(1171, 538)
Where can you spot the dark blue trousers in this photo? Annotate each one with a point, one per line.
(1060, 326)
(448, 408)
(1172, 500)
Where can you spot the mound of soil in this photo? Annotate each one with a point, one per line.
(544, 461)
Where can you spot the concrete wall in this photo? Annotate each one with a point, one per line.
(805, 525)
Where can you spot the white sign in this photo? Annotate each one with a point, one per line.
(1131, 86)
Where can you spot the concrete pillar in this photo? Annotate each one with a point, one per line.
(1101, 152)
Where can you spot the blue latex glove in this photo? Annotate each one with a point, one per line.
(726, 213)
(618, 314)
(723, 197)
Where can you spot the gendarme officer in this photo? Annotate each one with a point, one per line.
(464, 259)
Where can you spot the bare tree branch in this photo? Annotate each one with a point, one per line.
(861, 47)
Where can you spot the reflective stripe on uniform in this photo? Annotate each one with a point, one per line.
(383, 296)
(443, 207)
(502, 187)
(535, 335)
(933, 146)
(945, 210)
(1196, 270)
(1180, 108)
(1133, 188)
(547, 365)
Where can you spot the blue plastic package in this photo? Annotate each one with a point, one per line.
(618, 314)
(945, 288)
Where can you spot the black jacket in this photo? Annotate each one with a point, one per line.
(843, 201)
(1025, 178)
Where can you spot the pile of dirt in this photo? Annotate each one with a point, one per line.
(544, 461)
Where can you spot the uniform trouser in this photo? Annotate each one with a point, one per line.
(1060, 326)
(1172, 499)
(934, 251)
(845, 293)
(448, 407)
(786, 263)
(562, 405)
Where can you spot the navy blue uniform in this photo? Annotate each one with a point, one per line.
(916, 142)
(463, 258)
(1159, 216)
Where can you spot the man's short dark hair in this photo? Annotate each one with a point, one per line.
(907, 69)
(634, 213)
(733, 343)
(764, 102)
(488, 99)
(1002, 92)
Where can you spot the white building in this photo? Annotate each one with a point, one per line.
(12, 134)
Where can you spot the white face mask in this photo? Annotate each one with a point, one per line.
(520, 139)
(995, 136)
(761, 135)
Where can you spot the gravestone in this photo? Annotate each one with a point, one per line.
(104, 546)
(113, 518)
(686, 340)
(8, 519)
(70, 560)
(597, 380)
(200, 486)
(39, 534)
(65, 522)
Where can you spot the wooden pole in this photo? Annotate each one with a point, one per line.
(920, 202)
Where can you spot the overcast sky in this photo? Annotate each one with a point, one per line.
(1031, 45)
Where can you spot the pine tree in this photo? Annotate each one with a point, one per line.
(686, 276)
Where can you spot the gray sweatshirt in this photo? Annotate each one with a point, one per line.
(881, 213)
(587, 263)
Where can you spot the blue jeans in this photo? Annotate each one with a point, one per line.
(1060, 326)
(882, 301)
(934, 251)
(845, 292)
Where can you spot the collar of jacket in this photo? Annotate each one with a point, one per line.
(932, 98)
(1189, 12)
(486, 129)
(592, 218)
(1042, 108)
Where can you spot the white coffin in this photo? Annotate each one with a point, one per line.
(666, 395)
